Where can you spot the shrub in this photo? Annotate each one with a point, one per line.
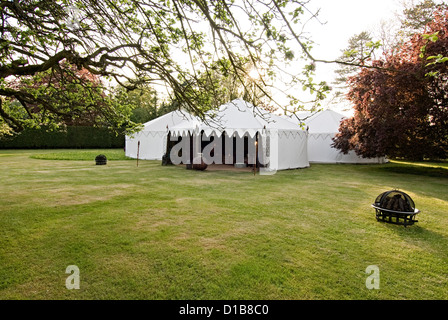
(72, 138)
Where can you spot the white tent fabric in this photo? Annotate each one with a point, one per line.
(292, 149)
(326, 121)
(322, 127)
(238, 118)
(153, 137)
(288, 145)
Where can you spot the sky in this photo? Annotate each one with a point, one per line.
(343, 19)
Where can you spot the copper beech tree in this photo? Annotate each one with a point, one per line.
(401, 106)
(64, 95)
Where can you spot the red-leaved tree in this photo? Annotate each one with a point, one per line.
(63, 95)
(401, 104)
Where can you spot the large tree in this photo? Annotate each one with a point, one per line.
(415, 17)
(401, 107)
(245, 83)
(172, 43)
(62, 95)
(142, 101)
(360, 51)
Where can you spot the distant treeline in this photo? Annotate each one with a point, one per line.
(71, 138)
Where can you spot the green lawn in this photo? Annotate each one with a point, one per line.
(111, 154)
(154, 232)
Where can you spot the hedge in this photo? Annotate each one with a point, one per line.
(72, 138)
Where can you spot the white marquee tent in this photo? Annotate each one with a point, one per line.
(285, 142)
(287, 145)
(322, 127)
(153, 137)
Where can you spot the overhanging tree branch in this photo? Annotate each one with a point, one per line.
(137, 42)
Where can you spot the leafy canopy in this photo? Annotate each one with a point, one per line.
(174, 43)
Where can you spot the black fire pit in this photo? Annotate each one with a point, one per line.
(100, 160)
(395, 207)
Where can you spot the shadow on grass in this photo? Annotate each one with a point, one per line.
(422, 237)
(437, 172)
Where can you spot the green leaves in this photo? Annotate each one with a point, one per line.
(350, 53)
(437, 59)
(173, 44)
(433, 59)
(431, 37)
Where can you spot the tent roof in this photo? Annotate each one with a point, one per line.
(326, 121)
(170, 119)
(299, 115)
(237, 116)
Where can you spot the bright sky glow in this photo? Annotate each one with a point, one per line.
(343, 19)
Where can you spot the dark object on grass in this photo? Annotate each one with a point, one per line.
(395, 207)
(199, 164)
(166, 160)
(100, 160)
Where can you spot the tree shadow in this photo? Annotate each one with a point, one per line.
(436, 172)
(417, 234)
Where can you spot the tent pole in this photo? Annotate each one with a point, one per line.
(256, 154)
(138, 151)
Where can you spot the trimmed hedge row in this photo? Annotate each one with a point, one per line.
(72, 138)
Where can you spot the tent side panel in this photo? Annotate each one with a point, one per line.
(321, 151)
(131, 146)
(292, 150)
(152, 145)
